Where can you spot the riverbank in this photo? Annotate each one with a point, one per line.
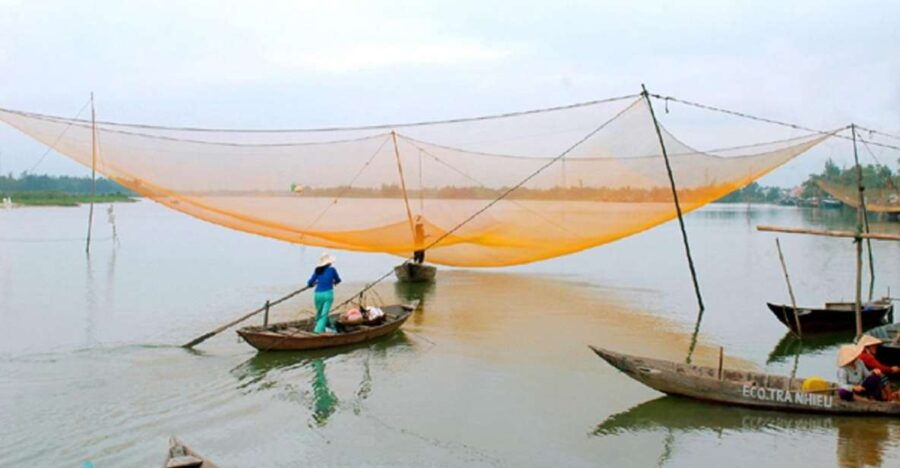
(63, 199)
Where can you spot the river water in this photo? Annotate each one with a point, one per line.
(494, 370)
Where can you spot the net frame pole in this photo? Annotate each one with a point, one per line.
(684, 236)
(858, 239)
(865, 212)
(87, 246)
(412, 229)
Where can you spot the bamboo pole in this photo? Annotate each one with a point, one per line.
(684, 237)
(787, 279)
(87, 246)
(862, 212)
(206, 336)
(828, 233)
(412, 229)
(687, 246)
(858, 240)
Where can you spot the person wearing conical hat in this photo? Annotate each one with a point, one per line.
(855, 379)
(869, 358)
(325, 277)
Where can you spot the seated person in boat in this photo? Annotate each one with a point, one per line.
(870, 347)
(855, 379)
(325, 277)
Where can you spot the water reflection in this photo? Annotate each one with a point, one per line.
(311, 374)
(861, 441)
(790, 345)
(324, 400)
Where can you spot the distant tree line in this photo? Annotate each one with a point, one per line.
(26, 183)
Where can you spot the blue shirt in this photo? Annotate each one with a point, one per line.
(324, 281)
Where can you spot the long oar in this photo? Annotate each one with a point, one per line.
(206, 336)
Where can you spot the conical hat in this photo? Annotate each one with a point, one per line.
(326, 259)
(848, 353)
(868, 340)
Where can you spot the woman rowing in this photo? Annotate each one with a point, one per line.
(854, 378)
(324, 278)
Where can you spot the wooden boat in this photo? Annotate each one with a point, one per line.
(889, 352)
(733, 387)
(181, 456)
(835, 316)
(298, 335)
(410, 272)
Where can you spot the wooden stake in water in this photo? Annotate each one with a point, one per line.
(787, 279)
(87, 247)
(858, 239)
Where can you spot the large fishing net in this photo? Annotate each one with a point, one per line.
(878, 199)
(596, 175)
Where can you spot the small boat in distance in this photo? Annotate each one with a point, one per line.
(181, 456)
(741, 388)
(835, 316)
(297, 335)
(410, 272)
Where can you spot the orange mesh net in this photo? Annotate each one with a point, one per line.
(880, 200)
(367, 188)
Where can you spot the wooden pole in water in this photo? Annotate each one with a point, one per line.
(266, 316)
(684, 237)
(87, 246)
(858, 240)
(828, 233)
(787, 279)
(861, 212)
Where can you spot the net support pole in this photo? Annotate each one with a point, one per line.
(87, 246)
(787, 280)
(684, 236)
(858, 240)
(412, 229)
(861, 209)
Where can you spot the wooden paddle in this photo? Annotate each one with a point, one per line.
(206, 336)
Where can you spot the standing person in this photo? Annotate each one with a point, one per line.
(324, 278)
(419, 240)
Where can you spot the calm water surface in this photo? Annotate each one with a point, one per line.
(493, 371)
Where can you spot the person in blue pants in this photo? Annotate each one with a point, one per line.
(324, 278)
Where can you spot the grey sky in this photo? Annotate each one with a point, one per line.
(300, 64)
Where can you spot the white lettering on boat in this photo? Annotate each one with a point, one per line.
(787, 396)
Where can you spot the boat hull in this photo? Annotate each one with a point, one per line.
(415, 273)
(835, 317)
(739, 388)
(296, 335)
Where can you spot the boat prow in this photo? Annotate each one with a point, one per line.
(410, 272)
(740, 388)
(181, 456)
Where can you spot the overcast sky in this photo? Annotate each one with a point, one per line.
(299, 64)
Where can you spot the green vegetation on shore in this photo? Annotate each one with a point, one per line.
(44, 190)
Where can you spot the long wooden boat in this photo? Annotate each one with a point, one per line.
(734, 387)
(411, 272)
(297, 335)
(181, 456)
(834, 316)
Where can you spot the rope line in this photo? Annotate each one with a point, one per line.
(339, 129)
(763, 119)
(58, 138)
